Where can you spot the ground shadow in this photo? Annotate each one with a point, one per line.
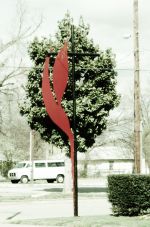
(80, 189)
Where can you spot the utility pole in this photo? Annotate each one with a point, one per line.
(137, 101)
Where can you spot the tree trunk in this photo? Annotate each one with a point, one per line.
(68, 183)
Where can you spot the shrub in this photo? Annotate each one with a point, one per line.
(129, 194)
(5, 166)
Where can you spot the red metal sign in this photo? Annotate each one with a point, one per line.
(53, 102)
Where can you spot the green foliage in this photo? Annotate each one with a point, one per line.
(95, 87)
(5, 166)
(129, 194)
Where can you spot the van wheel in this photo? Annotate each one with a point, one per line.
(60, 178)
(14, 181)
(24, 179)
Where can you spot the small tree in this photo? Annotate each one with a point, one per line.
(95, 87)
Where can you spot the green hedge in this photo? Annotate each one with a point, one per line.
(129, 194)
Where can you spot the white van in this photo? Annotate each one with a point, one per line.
(49, 170)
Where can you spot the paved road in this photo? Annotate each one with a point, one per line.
(38, 189)
(29, 209)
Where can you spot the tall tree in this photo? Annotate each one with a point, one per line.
(11, 64)
(14, 132)
(95, 87)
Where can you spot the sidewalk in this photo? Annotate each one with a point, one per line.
(53, 208)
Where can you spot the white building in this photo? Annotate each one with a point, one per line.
(101, 161)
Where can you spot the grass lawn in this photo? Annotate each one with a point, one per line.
(91, 221)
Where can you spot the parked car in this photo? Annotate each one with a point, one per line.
(49, 170)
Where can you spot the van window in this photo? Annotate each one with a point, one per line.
(55, 164)
(28, 165)
(20, 165)
(60, 163)
(40, 165)
(51, 164)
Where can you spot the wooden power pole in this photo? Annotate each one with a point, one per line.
(137, 101)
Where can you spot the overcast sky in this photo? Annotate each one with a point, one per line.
(111, 23)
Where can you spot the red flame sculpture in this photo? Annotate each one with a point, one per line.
(52, 104)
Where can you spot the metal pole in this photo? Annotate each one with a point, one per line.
(75, 172)
(73, 54)
(137, 101)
